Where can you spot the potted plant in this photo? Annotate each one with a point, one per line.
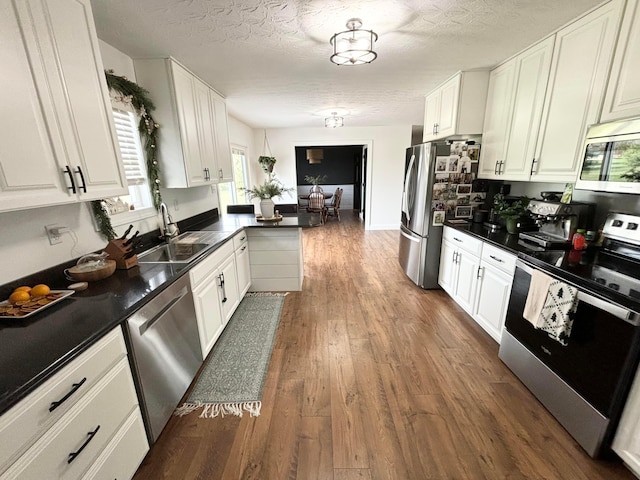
(315, 180)
(271, 187)
(267, 163)
(512, 211)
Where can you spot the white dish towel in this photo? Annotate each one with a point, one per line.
(550, 306)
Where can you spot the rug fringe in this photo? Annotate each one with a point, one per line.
(266, 294)
(212, 410)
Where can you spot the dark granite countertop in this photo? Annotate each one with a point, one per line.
(580, 268)
(33, 349)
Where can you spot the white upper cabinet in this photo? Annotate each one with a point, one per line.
(57, 131)
(579, 69)
(622, 99)
(541, 102)
(514, 108)
(195, 147)
(457, 106)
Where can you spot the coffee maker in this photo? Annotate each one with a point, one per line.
(557, 222)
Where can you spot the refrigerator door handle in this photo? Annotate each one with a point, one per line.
(413, 238)
(407, 186)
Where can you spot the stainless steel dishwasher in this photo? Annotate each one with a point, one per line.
(165, 353)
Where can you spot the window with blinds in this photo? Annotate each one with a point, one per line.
(139, 197)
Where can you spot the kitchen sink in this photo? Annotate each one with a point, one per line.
(182, 249)
(173, 253)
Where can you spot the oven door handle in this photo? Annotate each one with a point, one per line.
(605, 305)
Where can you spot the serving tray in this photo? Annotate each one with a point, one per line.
(33, 306)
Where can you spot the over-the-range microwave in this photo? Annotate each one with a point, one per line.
(611, 161)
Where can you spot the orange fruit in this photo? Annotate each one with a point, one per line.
(23, 288)
(40, 290)
(19, 297)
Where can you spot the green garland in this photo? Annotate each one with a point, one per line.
(131, 93)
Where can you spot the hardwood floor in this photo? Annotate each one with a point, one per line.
(372, 378)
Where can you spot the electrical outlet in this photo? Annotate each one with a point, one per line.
(53, 232)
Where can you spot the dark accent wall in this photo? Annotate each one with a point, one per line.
(340, 164)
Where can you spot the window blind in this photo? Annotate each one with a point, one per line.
(130, 148)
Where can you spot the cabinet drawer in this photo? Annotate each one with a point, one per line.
(102, 410)
(209, 264)
(499, 258)
(462, 240)
(239, 240)
(122, 457)
(27, 421)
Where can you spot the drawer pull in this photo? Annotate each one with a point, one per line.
(457, 239)
(243, 248)
(90, 435)
(243, 238)
(496, 258)
(74, 389)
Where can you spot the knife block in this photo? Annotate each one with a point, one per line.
(117, 252)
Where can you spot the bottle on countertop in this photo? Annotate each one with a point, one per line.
(579, 242)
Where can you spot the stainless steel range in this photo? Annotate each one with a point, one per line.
(584, 380)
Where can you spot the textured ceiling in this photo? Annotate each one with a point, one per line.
(270, 58)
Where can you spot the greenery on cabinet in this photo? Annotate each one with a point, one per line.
(130, 93)
(271, 187)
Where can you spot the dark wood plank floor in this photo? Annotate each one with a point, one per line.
(374, 378)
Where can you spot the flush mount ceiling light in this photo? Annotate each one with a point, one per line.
(353, 46)
(334, 121)
(315, 155)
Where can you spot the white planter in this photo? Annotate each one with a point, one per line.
(267, 208)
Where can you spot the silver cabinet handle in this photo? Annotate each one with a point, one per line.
(533, 166)
(496, 258)
(480, 272)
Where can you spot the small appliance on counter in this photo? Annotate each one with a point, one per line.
(557, 222)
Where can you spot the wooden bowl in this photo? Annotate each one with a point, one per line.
(80, 274)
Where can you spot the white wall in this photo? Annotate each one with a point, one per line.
(384, 171)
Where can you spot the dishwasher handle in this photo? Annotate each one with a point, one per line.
(162, 310)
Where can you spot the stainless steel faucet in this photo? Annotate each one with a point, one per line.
(169, 227)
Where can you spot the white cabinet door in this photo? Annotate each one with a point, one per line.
(466, 280)
(622, 99)
(208, 313)
(57, 132)
(244, 269)
(431, 115)
(494, 290)
(206, 132)
(228, 288)
(457, 106)
(449, 98)
(626, 442)
(447, 273)
(497, 120)
(188, 103)
(532, 77)
(581, 60)
(223, 147)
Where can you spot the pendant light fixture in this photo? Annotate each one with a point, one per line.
(315, 155)
(334, 121)
(353, 46)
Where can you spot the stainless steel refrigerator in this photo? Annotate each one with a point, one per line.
(420, 238)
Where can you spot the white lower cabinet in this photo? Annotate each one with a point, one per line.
(241, 246)
(497, 268)
(215, 294)
(626, 442)
(478, 276)
(66, 435)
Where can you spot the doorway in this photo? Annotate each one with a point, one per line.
(341, 166)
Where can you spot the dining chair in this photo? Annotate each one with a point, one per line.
(334, 208)
(316, 205)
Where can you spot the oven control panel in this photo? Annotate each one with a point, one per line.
(623, 226)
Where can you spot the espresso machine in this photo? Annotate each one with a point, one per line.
(557, 223)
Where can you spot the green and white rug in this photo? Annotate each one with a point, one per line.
(232, 379)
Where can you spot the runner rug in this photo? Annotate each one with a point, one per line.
(231, 380)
